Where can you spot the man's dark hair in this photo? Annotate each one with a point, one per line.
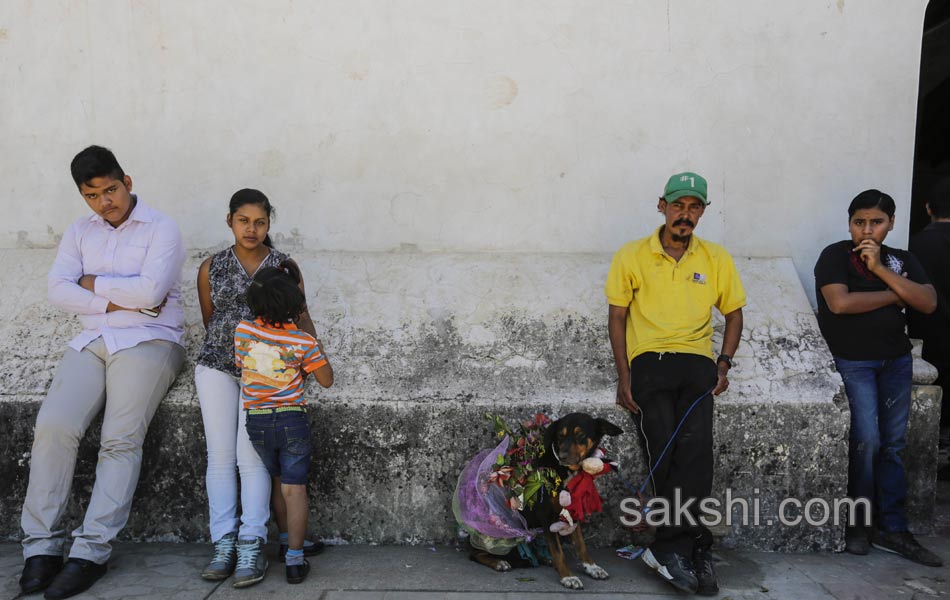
(274, 295)
(252, 196)
(872, 199)
(95, 161)
(939, 199)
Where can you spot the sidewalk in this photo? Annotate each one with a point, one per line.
(167, 570)
(164, 570)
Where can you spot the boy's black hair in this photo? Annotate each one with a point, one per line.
(252, 196)
(872, 199)
(95, 161)
(939, 199)
(274, 295)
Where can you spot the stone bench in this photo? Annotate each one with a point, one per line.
(423, 346)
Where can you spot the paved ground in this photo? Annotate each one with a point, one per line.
(394, 572)
(147, 571)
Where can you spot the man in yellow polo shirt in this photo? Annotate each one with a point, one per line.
(661, 290)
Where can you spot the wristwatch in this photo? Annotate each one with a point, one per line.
(726, 359)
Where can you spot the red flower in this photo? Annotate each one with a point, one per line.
(500, 476)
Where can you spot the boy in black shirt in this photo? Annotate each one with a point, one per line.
(862, 288)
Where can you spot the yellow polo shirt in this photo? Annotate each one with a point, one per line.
(670, 303)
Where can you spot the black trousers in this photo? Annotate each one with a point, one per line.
(664, 386)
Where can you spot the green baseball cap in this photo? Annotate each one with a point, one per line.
(685, 184)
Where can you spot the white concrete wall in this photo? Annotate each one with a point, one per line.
(537, 125)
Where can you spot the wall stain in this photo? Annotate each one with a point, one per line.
(502, 90)
(23, 240)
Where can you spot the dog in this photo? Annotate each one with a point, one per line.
(568, 441)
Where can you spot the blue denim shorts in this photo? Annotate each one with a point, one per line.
(282, 439)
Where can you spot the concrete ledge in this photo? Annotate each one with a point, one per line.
(423, 346)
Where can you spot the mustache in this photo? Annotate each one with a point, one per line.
(684, 221)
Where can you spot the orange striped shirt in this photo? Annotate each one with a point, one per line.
(271, 360)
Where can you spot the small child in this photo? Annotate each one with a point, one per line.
(275, 356)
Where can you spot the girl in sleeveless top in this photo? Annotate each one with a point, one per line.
(223, 280)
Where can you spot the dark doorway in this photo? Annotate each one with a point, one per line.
(932, 152)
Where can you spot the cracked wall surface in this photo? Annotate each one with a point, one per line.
(423, 345)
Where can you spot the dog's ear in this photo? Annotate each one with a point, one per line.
(605, 427)
(548, 458)
(549, 434)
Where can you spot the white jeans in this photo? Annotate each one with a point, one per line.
(219, 395)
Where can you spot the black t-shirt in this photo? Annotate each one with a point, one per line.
(932, 248)
(874, 335)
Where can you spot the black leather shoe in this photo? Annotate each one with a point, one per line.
(297, 573)
(39, 571)
(77, 576)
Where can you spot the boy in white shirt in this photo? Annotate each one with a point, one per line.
(119, 270)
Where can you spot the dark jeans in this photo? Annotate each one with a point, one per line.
(282, 439)
(664, 386)
(879, 396)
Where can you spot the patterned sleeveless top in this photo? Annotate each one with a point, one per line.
(229, 283)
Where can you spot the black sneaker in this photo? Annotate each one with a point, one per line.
(674, 568)
(856, 540)
(705, 572)
(903, 543)
(297, 573)
(309, 549)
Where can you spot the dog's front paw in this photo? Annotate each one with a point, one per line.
(595, 571)
(572, 582)
(502, 565)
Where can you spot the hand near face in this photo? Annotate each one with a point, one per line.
(870, 253)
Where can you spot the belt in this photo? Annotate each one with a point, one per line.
(279, 409)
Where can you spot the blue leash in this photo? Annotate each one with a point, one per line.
(649, 476)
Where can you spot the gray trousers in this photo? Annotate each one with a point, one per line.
(129, 385)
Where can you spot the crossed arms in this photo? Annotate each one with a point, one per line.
(71, 289)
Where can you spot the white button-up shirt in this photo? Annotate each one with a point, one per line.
(137, 265)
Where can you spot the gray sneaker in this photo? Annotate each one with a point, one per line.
(225, 556)
(251, 563)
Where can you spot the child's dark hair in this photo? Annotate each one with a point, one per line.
(95, 161)
(872, 199)
(274, 295)
(251, 196)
